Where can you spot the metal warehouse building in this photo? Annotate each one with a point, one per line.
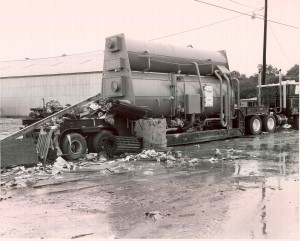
(68, 79)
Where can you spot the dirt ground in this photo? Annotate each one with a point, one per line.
(239, 188)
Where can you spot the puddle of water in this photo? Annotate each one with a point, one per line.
(268, 211)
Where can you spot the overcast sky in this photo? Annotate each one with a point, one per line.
(47, 28)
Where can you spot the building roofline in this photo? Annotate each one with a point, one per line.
(41, 75)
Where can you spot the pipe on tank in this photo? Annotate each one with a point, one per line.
(201, 88)
(149, 65)
(224, 124)
(174, 92)
(238, 91)
(228, 98)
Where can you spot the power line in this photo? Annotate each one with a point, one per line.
(279, 45)
(246, 6)
(231, 10)
(204, 26)
(242, 4)
(193, 29)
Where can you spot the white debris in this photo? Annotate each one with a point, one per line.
(155, 215)
(149, 172)
(62, 164)
(286, 126)
(217, 152)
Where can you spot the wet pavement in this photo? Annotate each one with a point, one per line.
(238, 188)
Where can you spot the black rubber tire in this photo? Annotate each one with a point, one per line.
(254, 125)
(97, 144)
(32, 115)
(74, 150)
(295, 123)
(268, 123)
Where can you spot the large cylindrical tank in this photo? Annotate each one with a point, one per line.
(153, 91)
(166, 58)
(143, 73)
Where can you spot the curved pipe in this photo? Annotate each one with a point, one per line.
(280, 94)
(228, 98)
(238, 92)
(201, 89)
(149, 64)
(223, 123)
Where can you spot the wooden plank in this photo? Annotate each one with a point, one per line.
(18, 152)
(44, 121)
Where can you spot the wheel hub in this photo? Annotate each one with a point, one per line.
(75, 147)
(271, 123)
(256, 125)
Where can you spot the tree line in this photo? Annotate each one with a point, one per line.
(248, 85)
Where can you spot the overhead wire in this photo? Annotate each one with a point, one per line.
(283, 52)
(204, 26)
(231, 10)
(241, 4)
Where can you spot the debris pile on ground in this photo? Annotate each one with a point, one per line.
(175, 158)
(20, 176)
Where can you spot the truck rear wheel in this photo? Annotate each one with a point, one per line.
(268, 123)
(98, 140)
(254, 125)
(296, 122)
(73, 146)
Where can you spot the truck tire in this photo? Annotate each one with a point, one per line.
(295, 123)
(32, 115)
(254, 125)
(73, 146)
(268, 123)
(99, 139)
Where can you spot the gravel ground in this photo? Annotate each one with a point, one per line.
(238, 188)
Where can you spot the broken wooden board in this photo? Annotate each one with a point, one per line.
(18, 152)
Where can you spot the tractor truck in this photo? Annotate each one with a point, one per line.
(191, 89)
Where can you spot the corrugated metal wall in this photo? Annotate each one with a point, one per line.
(18, 94)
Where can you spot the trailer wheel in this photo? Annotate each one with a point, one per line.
(73, 146)
(254, 125)
(98, 140)
(296, 122)
(268, 123)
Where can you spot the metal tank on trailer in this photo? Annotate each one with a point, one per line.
(171, 81)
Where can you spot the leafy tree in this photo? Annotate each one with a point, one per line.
(236, 74)
(248, 85)
(293, 73)
(272, 74)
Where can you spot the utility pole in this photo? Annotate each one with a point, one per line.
(263, 76)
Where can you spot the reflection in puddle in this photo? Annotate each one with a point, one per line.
(268, 209)
(263, 209)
